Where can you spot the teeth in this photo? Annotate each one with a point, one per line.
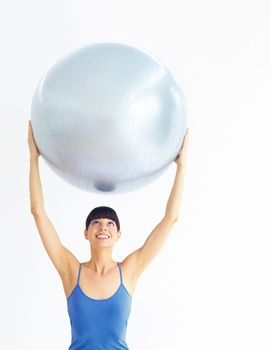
(102, 236)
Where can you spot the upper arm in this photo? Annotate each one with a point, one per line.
(60, 256)
(138, 260)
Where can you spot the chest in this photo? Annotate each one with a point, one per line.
(98, 287)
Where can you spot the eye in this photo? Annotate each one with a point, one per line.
(94, 222)
(111, 222)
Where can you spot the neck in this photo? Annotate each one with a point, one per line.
(101, 261)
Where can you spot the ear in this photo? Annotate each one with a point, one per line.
(85, 234)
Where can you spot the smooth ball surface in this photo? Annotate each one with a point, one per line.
(108, 118)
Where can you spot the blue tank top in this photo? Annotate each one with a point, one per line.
(99, 324)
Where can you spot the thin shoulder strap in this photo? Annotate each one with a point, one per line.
(120, 272)
(78, 277)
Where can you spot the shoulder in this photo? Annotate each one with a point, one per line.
(129, 265)
(130, 273)
(72, 270)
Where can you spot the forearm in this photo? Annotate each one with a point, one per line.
(35, 188)
(175, 197)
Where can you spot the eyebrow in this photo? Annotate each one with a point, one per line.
(100, 220)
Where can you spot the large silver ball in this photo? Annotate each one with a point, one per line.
(108, 118)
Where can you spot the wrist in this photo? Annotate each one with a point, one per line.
(181, 165)
(34, 157)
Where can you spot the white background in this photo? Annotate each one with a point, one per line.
(210, 286)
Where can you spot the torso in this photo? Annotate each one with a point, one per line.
(94, 286)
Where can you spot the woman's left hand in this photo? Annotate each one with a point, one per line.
(181, 157)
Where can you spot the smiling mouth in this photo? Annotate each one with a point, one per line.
(102, 236)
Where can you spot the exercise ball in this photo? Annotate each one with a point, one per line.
(108, 117)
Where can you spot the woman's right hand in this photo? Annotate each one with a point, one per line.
(34, 152)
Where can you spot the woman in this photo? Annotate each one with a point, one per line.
(99, 291)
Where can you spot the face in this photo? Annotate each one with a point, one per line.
(102, 232)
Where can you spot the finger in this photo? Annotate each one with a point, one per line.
(186, 137)
(31, 130)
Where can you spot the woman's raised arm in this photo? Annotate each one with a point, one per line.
(138, 260)
(60, 256)
(35, 189)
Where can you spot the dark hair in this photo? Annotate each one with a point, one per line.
(102, 212)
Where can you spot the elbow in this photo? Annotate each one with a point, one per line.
(36, 211)
(172, 219)
(175, 219)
